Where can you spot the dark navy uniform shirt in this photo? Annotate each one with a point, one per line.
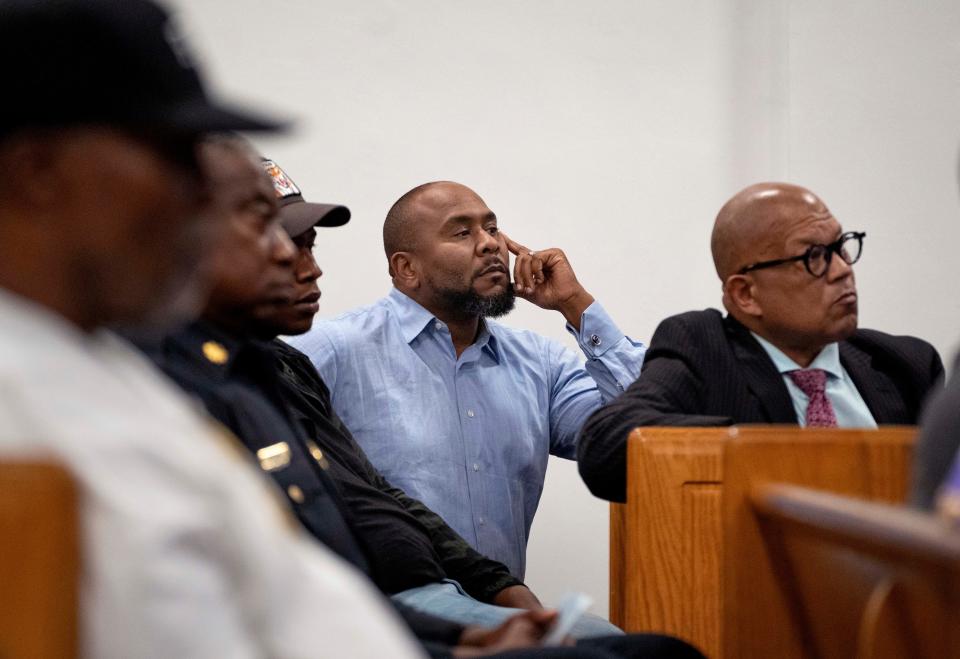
(271, 397)
(238, 382)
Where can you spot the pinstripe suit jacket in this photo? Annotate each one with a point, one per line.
(704, 369)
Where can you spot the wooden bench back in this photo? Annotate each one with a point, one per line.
(867, 464)
(665, 541)
(667, 570)
(862, 580)
(39, 561)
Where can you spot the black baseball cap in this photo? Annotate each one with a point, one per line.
(114, 62)
(296, 214)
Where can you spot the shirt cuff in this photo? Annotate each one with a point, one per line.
(489, 589)
(598, 333)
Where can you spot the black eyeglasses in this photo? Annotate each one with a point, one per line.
(816, 259)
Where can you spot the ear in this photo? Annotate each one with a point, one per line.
(739, 294)
(404, 270)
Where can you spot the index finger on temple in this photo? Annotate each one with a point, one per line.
(513, 246)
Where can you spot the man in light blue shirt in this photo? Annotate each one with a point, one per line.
(459, 411)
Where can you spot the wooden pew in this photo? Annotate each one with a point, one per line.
(667, 541)
(860, 579)
(39, 561)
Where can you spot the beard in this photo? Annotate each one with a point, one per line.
(471, 303)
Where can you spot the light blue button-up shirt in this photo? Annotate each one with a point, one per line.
(470, 437)
(848, 405)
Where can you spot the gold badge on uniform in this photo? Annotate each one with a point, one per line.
(273, 457)
(215, 352)
(296, 494)
(317, 454)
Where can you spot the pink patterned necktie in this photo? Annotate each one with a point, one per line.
(813, 382)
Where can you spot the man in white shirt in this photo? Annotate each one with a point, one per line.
(186, 550)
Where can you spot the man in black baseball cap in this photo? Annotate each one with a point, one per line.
(103, 212)
(300, 219)
(98, 130)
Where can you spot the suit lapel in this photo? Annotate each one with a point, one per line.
(762, 377)
(876, 388)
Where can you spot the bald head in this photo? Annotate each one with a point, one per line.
(775, 226)
(753, 225)
(402, 226)
(398, 227)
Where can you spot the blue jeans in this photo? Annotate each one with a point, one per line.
(446, 599)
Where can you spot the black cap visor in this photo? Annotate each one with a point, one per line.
(300, 216)
(198, 115)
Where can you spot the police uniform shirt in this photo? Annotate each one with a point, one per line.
(236, 381)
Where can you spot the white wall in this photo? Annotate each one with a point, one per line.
(615, 129)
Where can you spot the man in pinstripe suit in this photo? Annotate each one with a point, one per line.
(788, 350)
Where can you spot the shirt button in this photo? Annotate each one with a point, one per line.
(476, 467)
(481, 521)
(438, 325)
(295, 494)
(470, 413)
(595, 339)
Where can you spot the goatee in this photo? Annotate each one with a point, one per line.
(471, 303)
